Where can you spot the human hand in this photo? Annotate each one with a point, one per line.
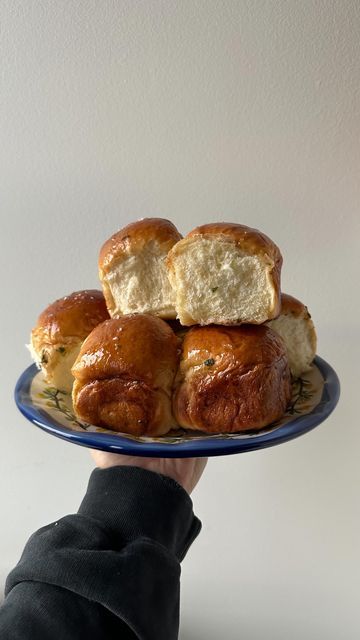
(186, 471)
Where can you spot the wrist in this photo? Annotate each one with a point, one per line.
(133, 502)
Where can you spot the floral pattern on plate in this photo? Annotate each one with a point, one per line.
(57, 404)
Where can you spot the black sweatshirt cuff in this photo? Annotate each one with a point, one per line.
(131, 502)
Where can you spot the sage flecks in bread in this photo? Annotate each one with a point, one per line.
(296, 328)
(225, 273)
(60, 331)
(124, 375)
(132, 268)
(231, 379)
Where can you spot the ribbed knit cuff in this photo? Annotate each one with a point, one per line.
(134, 502)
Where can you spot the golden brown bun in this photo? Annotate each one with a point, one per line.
(292, 306)
(132, 268)
(231, 379)
(225, 273)
(296, 328)
(60, 330)
(124, 375)
(72, 316)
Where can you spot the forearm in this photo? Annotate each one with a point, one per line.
(42, 611)
(119, 557)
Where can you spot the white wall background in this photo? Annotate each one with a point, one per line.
(194, 110)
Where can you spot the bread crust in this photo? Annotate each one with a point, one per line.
(231, 379)
(121, 405)
(293, 306)
(250, 240)
(124, 375)
(253, 241)
(69, 319)
(132, 239)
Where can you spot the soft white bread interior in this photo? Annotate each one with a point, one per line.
(132, 269)
(225, 274)
(296, 328)
(56, 362)
(61, 328)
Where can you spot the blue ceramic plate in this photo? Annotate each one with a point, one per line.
(315, 396)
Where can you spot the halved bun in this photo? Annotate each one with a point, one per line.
(231, 379)
(124, 375)
(296, 328)
(132, 269)
(60, 331)
(227, 274)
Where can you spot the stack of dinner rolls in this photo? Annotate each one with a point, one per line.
(191, 332)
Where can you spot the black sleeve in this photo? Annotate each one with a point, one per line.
(111, 570)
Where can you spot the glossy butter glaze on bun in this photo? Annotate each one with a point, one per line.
(227, 274)
(60, 331)
(132, 269)
(124, 375)
(231, 379)
(296, 328)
